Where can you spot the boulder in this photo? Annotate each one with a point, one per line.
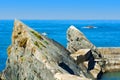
(80, 56)
(32, 56)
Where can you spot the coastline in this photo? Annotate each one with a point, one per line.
(109, 51)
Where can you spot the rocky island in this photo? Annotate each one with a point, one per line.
(33, 56)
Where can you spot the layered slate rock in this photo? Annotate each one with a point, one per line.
(32, 56)
(112, 56)
(83, 50)
(77, 40)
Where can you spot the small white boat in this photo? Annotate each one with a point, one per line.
(44, 33)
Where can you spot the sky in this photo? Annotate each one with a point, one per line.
(60, 9)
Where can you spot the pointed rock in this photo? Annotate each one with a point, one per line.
(83, 50)
(32, 56)
(77, 40)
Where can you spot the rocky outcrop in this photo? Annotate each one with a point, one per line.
(112, 56)
(77, 40)
(84, 51)
(32, 56)
(109, 50)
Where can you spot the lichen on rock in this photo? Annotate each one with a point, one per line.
(78, 43)
(36, 57)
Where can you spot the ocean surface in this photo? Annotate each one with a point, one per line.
(106, 33)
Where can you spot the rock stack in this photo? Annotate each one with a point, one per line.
(32, 56)
(84, 52)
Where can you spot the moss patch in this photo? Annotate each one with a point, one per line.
(39, 44)
(22, 59)
(42, 44)
(46, 42)
(37, 35)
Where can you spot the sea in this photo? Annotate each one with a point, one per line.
(105, 33)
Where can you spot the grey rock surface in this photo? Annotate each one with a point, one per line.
(78, 44)
(77, 40)
(112, 56)
(32, 56)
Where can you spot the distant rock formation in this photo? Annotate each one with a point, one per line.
(89, 27)
(32, 56)
(81, 48)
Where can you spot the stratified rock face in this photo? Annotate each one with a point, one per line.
(77, 40)
(83, 50)
(32, 56)
(112, 56)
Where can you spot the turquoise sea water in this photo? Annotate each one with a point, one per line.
(106, 34)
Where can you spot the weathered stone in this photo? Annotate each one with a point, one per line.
(109, 50)
(80, 55)
(79, 52)
(84, 50)
(94, 71)
(33, 56)
(77, 40)
(2, 76)
(69, 77)
(112, 56)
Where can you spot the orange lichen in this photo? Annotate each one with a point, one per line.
(9, 50)
(33, 50)
(15, 36)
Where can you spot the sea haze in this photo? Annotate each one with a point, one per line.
(106, 33)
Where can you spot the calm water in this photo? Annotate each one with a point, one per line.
(106, 34)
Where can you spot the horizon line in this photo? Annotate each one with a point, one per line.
(59, 19)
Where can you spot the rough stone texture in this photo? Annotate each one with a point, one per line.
(77, 40)
(81, 52)
(78, 43)
(109, 50)
(81, 57)
(32, 56)
(112, 56)
(1, 76)
(69, 77)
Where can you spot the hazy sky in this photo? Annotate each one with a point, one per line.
(60, 9)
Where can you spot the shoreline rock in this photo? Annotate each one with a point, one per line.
(78, 44)
(112, 56)
(32, 56)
